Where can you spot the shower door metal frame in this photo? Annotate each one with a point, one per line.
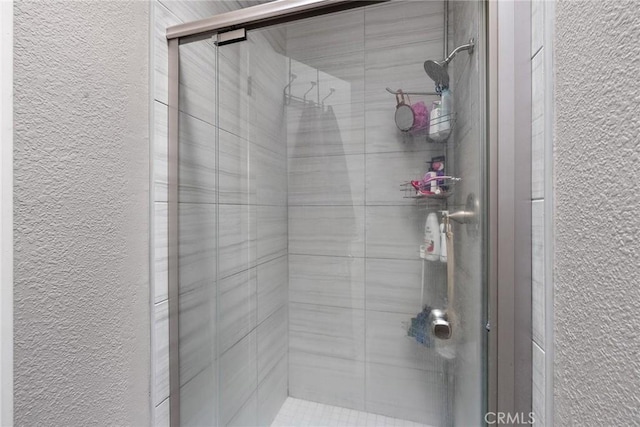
(505, 342)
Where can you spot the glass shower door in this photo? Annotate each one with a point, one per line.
(310, 263)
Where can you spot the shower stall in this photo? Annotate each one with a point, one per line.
(327, 205)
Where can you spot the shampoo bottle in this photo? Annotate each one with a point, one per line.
(443, 243)
(432, 238)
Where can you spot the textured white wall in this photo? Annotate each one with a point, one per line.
(81, 213)
(597, 273)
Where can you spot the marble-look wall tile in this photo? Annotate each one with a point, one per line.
(272, 335)
(198, 80)
(272, 232)
(395, 231)
(198, 9)
(238, 373)
(386, 171)
(271, 176)
(326, 230)
(404, 393)
(160, 147)
(235, 103)
(327, 331)
(160, 252)
(237, 308)
(388, 25)
(197, 160)
(537, 272)
(338, 130)
(161, 416)
(326, 280)
(388, 343)
(197, 331)
(198, 399)
(273, 285)
(246, 416)
(327, 180)
(394, 285)
(162, 18)
(237, 225)
(537, 126)
(237, 184)
(538, 385)
(197, 245)
(161, 352)
(272, 392)
(329, 380)
(335, 34)
(537, 25)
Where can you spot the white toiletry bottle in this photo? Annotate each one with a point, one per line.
(446, 113)
(443, 242)
(434, 120)
(432, 238)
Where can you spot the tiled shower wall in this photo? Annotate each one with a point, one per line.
(233, 324)
(466, 71)
(354, 270)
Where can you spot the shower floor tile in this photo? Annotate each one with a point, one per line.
(303, 413)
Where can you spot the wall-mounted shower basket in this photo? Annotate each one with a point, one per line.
(419, 190)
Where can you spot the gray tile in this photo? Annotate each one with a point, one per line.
(537, 127)
(538, 385)
(271, 176)
(247, 416)
(238, 307)
(237, 183)
(337, 130)
(326, 280)
(537, 272)
(537, 25)
(388, 343)
(386, 171)
(197, 160)
(395, 285)
(197, 331)
(198, 9)
(328, 380)
(238, 373)
(272, 287)
(161, 414)
(237, 225)
(197, 399)
(327, 180)
(335, 34)
(197, 245)
(395, 231)
(327, 331)
(272, 392)
(326, 230)
(160, 252)
(160, 146)
(402, 23)
(405, 393)
(272, 336)
(198, 80)
(272, 232)
(163, 18)
(234, 99)
(161, 352)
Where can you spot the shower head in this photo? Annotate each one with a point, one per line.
(437, 70)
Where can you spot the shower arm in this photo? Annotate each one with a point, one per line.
(469, 46)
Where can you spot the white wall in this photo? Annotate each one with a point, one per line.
(597, 173)
(81, 181)
(6, 213)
